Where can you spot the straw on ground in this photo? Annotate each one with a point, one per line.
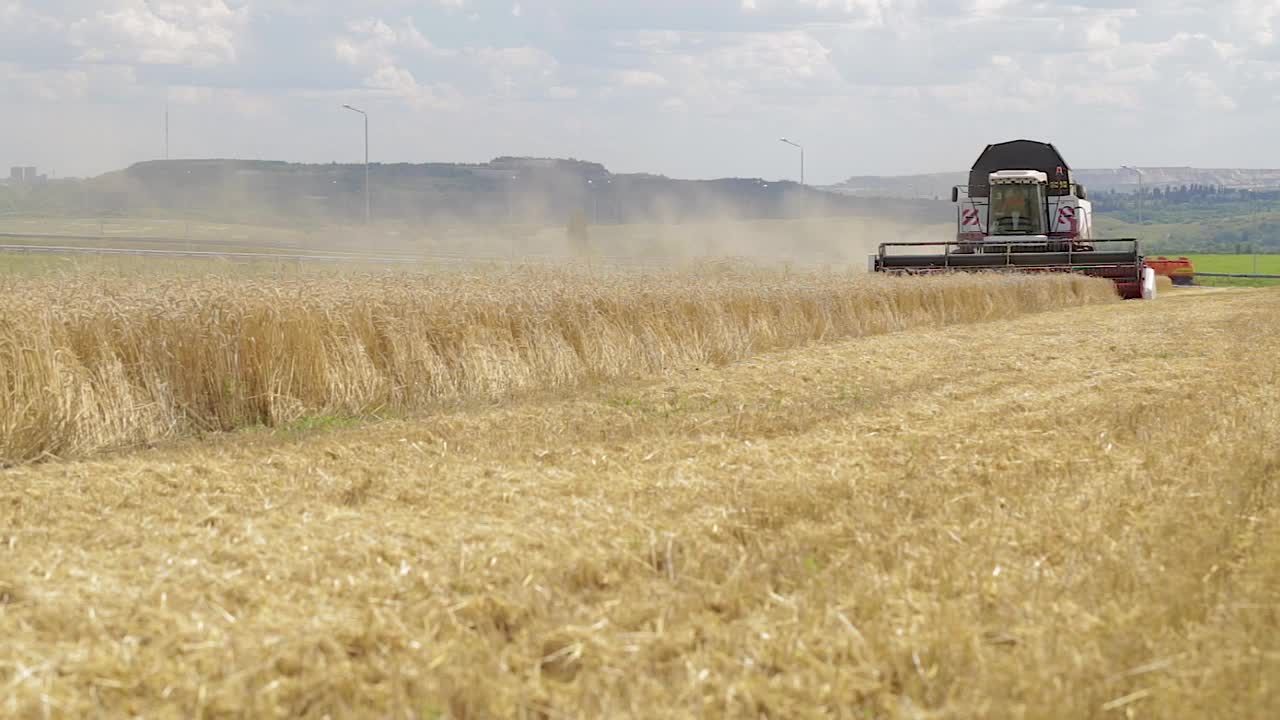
(1071, 514)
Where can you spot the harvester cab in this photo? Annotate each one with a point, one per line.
(1021, 211)
(1018, 203)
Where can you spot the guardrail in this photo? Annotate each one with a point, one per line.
(138, 252)
(1234, 275)
(118, 238)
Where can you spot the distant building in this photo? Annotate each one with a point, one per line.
(22, 176)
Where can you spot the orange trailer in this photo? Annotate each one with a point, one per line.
(1179, 270)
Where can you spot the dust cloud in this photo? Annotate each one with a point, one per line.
(513, 210)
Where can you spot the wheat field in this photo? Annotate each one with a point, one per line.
(90, 363)
(1063, 514)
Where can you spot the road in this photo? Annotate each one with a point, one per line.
(225, 255)
(435, 258)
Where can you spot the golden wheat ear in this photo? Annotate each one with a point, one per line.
(90, 362)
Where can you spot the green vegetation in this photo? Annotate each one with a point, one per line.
(1193, 210)
(1155, 238)
(1202, 219)
(1237, 264)
(1240, 235)
(1237, 282)
(1241, 264)
(314, 424)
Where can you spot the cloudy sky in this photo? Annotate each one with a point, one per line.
(688, 88)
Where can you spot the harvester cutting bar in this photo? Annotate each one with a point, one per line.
(1116, 260)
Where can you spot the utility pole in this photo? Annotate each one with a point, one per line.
(593, 189)
(367, 210)
(1140, 189)
(511, 228)
(166, 131)
(801, 149)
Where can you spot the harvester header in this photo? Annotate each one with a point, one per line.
(1022, 212)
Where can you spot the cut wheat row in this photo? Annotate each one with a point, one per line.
(89, 363)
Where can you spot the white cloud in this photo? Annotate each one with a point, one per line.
(393, 55)
(399, 83)
(190, 95)
(172, 32)
(372, 41)
(1205, 92)
(385, 52)
(1103, 33)
(16, 15)
(909, 73)
(94, 82)
(708, 69)
(242, 103)
(1255, 19)
(865, 12)
(639, 79)
(516, 71)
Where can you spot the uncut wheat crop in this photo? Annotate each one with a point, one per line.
(89, 363)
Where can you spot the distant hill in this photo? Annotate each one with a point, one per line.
(504, 190)
(938, 185)
(1183, 209)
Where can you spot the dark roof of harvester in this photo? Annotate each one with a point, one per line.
(1019, 155)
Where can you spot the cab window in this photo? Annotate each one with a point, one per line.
(1017, 210)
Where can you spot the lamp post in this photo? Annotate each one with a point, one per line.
(511, 229)
(367, 212)
(511, 181)
(1140, 176)
(801, 149)
(592, 190)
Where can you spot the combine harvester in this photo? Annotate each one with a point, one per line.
(1021, 212)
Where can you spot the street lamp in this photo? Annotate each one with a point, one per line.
(1140, 176)
(801, 149)
(510, 227)
(367, 212)
(512, 179)
(595, 199)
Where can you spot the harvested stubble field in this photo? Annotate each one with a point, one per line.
(1066, 514)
